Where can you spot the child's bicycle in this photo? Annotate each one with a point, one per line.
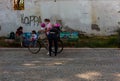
(35, 46)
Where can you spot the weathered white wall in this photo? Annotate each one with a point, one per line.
(106, 14)
(74, 14)
(99, 17)
(10, 19)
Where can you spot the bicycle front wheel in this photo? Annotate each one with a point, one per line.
(34, 47)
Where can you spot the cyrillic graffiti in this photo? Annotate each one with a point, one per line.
(31, 20)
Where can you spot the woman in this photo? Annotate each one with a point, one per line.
(51, 35)
(19, 34)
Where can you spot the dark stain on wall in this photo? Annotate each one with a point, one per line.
(118, 11)
(0, 28)
(98, 18)
(95, 27)
(119, 23)
(37, 1)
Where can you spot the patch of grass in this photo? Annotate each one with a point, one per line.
(83, 41)
(95, 42)
(3, 43)
(6, 44)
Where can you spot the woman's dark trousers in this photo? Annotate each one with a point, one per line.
(52, 38)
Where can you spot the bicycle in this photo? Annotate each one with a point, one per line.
(35, 46)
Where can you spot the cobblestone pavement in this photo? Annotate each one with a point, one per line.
(70, 65)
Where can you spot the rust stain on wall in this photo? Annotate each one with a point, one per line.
(93, 13)
(94, 25)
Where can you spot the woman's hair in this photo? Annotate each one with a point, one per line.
(20, 28)
(47, 20)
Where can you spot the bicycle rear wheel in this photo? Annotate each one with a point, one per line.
(60, 47)
(34, 47)
(46, 45)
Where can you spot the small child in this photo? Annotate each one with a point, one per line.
(34, 36)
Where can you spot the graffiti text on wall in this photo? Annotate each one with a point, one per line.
(31, 20)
